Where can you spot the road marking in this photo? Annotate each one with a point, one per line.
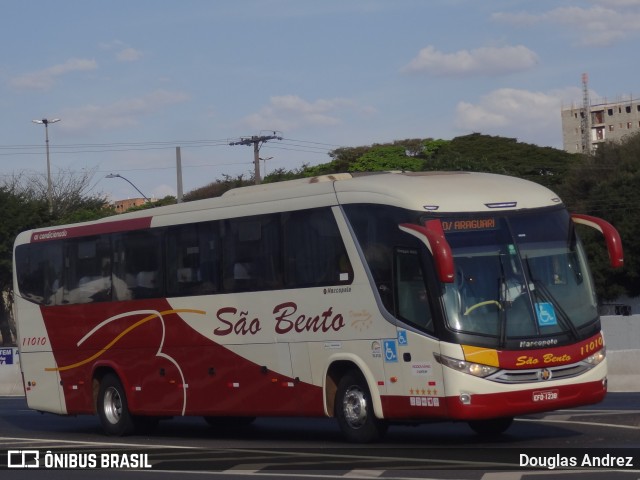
(359, 473)
(519, 475)
(573, 422)
(101, 444)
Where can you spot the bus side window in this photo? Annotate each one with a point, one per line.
(314, 251)
(138, 264)
(413, 302)
(192, 259)
(87, 271)
(252, 253)
(39, 271)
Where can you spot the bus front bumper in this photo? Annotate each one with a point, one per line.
(468, 406)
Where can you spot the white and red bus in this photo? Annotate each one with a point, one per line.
(377, 298)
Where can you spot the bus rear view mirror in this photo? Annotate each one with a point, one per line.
(432, 235)
(611, 236)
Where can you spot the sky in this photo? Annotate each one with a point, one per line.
(132, 80)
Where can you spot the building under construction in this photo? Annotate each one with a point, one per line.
(606, 121)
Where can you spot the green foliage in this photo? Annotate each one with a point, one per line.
(161, 202)
(431, 147)
(18, 213)
(217, 188)
(606, 185)
(85, 210)
(506, 156)
(281, 175)
(386, 157)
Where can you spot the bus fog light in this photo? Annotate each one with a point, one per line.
(465, 399)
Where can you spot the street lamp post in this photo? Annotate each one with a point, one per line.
(46, 123)
(117, 175)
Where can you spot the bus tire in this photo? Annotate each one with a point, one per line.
(113, 409)
(491, 427)
(354, 410)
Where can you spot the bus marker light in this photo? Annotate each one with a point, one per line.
(465, 399)
(380, 382)
(501, 205)
(394, 379)
(288, 384)
(274, 380)
(233, 385)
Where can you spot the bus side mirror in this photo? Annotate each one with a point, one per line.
(611, 236)
(432, 235)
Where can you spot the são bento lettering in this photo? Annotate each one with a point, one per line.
(286, 319)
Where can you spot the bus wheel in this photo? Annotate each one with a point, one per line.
(354, 410)
(113, 410)
(491, 427)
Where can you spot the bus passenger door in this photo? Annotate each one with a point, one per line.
(410, 355)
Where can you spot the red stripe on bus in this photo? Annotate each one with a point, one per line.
(93, 229)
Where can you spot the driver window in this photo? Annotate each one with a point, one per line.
(412, 299)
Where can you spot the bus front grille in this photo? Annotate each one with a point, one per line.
(540, 374)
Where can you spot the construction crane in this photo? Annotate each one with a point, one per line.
(586, 116)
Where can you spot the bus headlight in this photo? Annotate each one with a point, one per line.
(475, 369)
(597, 357)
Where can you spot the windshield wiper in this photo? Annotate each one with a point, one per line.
(502, 297)
(544, 294)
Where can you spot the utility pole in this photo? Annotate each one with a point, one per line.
(256, 141)
(179, 173)
(46, 122)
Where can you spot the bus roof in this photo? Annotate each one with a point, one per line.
(447, 192)
(437, 192)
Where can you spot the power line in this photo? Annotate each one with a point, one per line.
(80, 148)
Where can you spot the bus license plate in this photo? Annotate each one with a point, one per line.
(545, 395)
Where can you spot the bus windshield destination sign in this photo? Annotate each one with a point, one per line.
(468, 225)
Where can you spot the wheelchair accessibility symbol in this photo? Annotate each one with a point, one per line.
(390, 351)
(546, 314)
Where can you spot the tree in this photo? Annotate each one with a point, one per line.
(606, 185)
(24, 205)
(281, 175)
(70, 191)
(217, 188)
(19, 213)
(506, 156)
(386, 157)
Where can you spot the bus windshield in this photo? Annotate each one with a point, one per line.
(518, 276)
